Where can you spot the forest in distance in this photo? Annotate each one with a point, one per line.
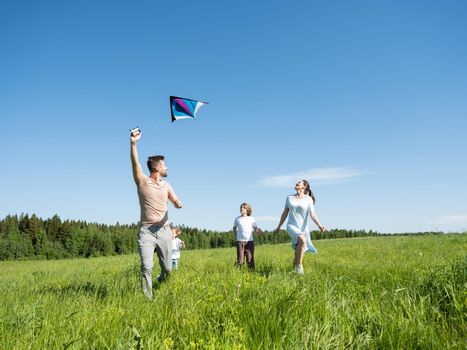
(27, 237)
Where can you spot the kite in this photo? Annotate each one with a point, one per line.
(183, 108)
(180, 108)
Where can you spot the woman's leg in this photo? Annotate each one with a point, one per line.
(299, 250)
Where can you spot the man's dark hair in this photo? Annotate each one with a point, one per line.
(152, 162)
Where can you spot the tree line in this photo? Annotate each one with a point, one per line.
(30, 237)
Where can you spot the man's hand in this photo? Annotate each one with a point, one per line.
(135, 135)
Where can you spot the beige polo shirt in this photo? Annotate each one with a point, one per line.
(153, 197)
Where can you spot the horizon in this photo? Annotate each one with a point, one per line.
(19, 216)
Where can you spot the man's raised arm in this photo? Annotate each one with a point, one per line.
(138, 174)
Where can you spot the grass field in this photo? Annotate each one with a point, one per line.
(366, 293)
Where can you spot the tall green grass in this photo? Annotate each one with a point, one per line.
(366, 293)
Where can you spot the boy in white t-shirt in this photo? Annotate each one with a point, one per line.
(243, 229)
(177, 245)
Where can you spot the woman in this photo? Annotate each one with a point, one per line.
(300, 208)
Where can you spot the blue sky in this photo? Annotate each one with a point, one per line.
(365, 99)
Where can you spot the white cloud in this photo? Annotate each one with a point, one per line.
(318, 176)
(451, 219)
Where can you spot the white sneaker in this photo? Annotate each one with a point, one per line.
(298, 269)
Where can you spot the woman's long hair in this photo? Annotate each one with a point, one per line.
(309, 191)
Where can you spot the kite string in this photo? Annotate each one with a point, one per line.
(158, 125)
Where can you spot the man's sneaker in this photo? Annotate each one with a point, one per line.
(298, 269)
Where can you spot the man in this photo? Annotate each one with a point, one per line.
(155, 233)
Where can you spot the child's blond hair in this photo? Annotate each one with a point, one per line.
(247, 207)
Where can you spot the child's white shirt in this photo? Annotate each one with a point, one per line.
(245, 225)
(176, 247)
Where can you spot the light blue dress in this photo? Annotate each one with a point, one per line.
(299, 220)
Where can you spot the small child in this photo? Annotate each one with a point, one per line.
(177, 245)
(243, 229)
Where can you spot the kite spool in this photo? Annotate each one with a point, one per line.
(135, 132)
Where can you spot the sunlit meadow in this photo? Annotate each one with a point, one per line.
(363, 293)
